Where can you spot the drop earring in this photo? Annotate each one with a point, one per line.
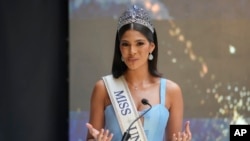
(150, 56)
(122, 59)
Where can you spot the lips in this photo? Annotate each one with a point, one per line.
(132, 59)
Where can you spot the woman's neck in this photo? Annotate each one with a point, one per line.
(138, 77)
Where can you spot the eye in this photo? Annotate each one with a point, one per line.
(124, 44)
(140, 43)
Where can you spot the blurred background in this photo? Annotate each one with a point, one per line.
(203, 46)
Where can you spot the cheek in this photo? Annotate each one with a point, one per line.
(121, 50)
(145, 54)
(124, 51)
(145, 51)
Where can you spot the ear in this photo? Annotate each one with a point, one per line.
(151, 47)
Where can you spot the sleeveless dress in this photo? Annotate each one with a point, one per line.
(154, 123)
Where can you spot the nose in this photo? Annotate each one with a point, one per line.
(133, 49)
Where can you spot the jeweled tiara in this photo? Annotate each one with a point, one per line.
(135, 15)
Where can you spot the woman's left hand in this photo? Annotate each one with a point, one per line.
(185, 135)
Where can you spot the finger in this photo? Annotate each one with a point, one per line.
(92, 130)
(89, 126)
(184, 136)
(105, 135)
(187, 130)
(187, 127)
(174, 137)
(110, 137)
(100, 135)
(179, 136)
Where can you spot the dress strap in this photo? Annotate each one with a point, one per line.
(163, 90)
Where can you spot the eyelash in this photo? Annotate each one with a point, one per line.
(138, 44)
(124, 44)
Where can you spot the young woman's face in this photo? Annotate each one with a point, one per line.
(135, 49)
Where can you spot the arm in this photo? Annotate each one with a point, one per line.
(174, 102)
(99, 100)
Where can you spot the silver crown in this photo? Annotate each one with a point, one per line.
(135, 15)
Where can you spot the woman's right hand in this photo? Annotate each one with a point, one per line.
(102, 135)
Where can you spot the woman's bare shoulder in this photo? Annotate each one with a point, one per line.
(172, 86)
(99, 89)
(173, 92)
(99, 84)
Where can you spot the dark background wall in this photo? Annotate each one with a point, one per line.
(34, 70)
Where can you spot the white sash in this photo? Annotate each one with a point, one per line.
(124, 107)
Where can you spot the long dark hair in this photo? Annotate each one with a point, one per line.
(119, 67)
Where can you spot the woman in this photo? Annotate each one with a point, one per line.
(135, 61)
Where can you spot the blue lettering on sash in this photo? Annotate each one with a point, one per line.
(122, 102)
(134, 134)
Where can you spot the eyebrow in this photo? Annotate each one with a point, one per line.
(139, 40)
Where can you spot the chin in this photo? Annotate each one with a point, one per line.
(133, 68)
(130, 67)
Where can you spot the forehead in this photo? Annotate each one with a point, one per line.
(133, 35)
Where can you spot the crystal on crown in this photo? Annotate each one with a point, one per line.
(135, 15)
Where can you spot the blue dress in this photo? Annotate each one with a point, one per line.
(154, 123)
